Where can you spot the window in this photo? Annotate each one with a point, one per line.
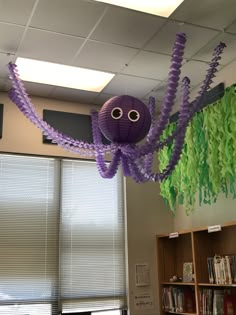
(92, 238)
(61, 237)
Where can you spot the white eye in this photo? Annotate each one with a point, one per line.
(117, 113)
(133, 115)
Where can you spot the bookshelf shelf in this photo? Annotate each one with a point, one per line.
(201, 249)
(178, 283)
(217, 285)
(182, 313)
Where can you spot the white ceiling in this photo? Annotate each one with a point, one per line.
(133, 45)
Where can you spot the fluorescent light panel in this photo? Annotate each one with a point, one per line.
(157, 7)
(62, 75)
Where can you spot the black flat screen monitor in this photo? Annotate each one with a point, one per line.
(77, 126)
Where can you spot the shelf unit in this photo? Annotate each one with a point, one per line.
(194, 246)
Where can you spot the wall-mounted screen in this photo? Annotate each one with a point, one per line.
(77, 126)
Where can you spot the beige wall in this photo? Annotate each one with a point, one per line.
(146, 214)
(21, 136)
(146, 217)
(224, 210)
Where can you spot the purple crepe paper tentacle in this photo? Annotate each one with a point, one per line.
(19, 96)
(47, 130)
(125, 165)
(109, 172)
(104, 170)
(179, 140)
(137, 172)
(174, 75)
(149, 157)
(195, 105)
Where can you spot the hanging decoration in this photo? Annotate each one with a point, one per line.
(125, 120)
(208, 165)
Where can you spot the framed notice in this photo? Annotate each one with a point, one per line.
(142, 275)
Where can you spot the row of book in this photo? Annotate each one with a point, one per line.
(217, 302)
(222, 269)
(176, 299)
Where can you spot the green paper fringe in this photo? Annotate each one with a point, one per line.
(208, 161)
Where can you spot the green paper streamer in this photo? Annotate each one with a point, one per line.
(208, 161)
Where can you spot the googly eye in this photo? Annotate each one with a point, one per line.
(133, 115)
(117, 113)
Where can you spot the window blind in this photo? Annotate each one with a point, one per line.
(28, 235)
(92, 265)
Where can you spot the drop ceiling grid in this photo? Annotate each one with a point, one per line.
(116, 42)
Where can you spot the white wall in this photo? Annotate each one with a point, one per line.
(146, 214)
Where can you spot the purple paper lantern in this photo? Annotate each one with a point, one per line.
(124, 119)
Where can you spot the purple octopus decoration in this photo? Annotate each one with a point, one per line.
(125, 120)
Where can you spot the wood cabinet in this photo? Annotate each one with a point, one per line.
(199, 248)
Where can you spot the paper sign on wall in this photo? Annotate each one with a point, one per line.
(143, 301)
(142, 275)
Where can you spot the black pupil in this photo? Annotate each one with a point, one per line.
(116, 113)
(133, 115)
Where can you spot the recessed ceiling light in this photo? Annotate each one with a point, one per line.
(157, 7)
(62, 75)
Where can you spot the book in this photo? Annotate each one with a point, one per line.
(229, 304)
(188, 272)
(218, 302)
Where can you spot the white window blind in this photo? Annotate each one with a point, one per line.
(85, 271)
(92, 265)
(28, 235)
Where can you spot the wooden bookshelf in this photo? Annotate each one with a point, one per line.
(194, 246)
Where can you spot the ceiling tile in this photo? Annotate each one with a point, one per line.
(157, 104)
(158, 92)
(127, 27)
(36, 89)
(197, 37)
(3, 85)
(195, 71)
(4, 60)
(134, 86)
(228, 55)
(76, 18)
(226, 75)
(232, 28)
(216, 14)
(11, 11)
(149, 65)
(73, 95)
(10, 36)
(49, 46)
(103, 56)
(102, 98)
